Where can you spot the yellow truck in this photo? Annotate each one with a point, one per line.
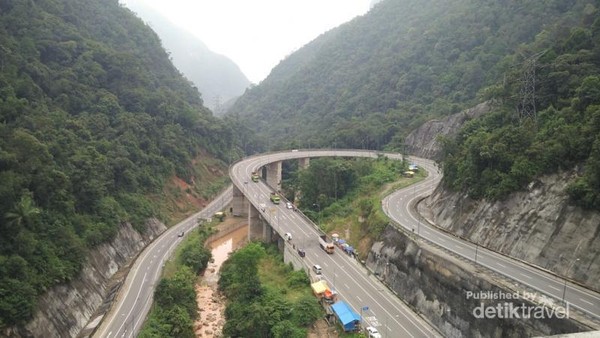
(275, 198)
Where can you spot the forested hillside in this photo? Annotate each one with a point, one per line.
(369, 82)
(94, 120)
(503, 152)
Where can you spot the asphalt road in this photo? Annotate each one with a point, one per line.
(135, 297)
(355, 285)
(398, 206)
(368, 297)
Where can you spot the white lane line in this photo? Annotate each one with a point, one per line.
(133, 306)
(524, 275)
(552, 287)
(502, 265)
(585, 301)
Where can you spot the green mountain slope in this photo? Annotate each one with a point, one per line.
(94, 118)
(503, 152)
(370, 81)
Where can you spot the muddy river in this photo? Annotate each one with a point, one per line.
(210, 304)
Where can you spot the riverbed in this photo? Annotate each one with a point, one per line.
(211, 305)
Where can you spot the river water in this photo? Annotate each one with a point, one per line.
(210, 304)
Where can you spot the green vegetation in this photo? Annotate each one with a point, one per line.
(266, 298)
(175, 307)
(369, 82)
(338, 192)
(94, 123)
(498, 154)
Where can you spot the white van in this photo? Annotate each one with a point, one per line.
(317, 269)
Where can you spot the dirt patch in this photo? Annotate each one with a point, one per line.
(189, 197)
(321, 329)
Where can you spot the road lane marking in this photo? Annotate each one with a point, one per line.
(555, 288)
(134, 302)
(526, 276)
(585, 301)
(502, 265)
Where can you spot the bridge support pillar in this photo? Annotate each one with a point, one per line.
(274, 175)
(255, 224)
(240, 203)
(303, 163)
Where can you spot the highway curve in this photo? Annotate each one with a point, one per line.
(365, 293)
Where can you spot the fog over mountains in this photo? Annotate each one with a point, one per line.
(217, 77)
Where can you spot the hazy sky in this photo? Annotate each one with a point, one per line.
(257, 34)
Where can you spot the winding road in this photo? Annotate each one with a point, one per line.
(365, 293)
(131, 306)
(375, 303)
(399, 206)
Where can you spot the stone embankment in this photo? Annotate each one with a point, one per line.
(454, 295)
(64, 310)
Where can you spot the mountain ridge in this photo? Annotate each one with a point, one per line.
(217, 77)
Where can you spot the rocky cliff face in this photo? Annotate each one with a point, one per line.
(437, 285)
(65, 309)
(538, 226)
(423, 141)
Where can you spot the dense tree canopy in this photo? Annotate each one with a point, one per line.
(501, 153)
(369, 82)
(94, 119)
(278, 305)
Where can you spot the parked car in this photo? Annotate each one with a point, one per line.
(373, 333)
(289, 205)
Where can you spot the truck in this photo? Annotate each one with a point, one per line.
(255, 176)
(275, 198)
(325, 245)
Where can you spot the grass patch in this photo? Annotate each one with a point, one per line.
(359, 217)
(275, 274)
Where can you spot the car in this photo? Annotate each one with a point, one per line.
(180, 234)
(301, 252)
(289, 205)
(317, 269)
(373, 333)
(287, 236)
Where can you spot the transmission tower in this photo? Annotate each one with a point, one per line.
(526, 107)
